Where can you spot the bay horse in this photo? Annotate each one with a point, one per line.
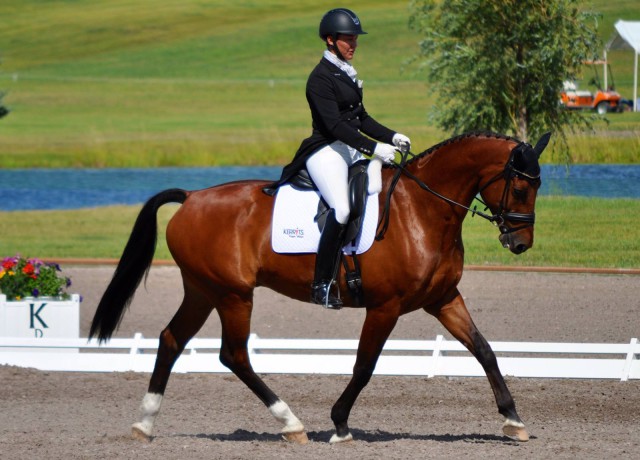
(220, 238)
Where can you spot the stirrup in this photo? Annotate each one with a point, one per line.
(321, 295)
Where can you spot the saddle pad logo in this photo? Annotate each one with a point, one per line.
(293, 232)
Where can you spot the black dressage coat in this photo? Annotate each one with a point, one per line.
(338, 114)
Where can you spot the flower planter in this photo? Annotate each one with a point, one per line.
(40, 317)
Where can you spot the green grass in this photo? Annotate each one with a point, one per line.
(569, 232)
(84, 233)
(173, 82)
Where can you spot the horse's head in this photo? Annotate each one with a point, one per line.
(511, 195)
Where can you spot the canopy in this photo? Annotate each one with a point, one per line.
(627, 36)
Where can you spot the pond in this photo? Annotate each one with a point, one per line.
(29, 189)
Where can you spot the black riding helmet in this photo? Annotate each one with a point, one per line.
(339, 21)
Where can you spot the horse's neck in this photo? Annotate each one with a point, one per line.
(455, 171)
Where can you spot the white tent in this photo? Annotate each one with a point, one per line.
(627, 36)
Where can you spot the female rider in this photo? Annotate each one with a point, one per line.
(335, 98)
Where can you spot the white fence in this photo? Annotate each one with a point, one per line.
(429, 358)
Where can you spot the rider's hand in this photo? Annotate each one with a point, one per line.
(402, 142)
(386, 152)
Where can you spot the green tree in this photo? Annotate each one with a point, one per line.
(500, 64)
(3, 110)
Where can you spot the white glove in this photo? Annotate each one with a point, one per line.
(374, 171)
(386, 152)
(402, 142)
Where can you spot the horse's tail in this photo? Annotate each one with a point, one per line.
(134, 264)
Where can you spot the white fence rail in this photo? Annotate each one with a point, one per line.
(429, 358)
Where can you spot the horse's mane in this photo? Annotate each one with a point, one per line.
(453, 140)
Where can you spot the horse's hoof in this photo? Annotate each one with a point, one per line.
(298, 437)
(335, 439)
(515, 430)
(138, 434)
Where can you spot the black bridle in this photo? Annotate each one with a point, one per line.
(499, 219)
(502, 216)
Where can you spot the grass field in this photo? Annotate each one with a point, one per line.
(570, 232)
(174, 82)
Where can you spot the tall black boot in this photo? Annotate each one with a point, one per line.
(331, 242)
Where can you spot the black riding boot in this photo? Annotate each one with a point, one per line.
(331, 242)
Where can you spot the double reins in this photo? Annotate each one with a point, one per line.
(498, 219)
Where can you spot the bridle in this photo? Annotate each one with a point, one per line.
(499, 219)
(502, 216)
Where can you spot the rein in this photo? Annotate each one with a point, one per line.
(498, 219)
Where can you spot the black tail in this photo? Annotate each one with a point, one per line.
(134, 264)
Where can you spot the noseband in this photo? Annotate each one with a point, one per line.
(499, 219)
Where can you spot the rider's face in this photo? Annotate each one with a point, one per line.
(346, 44)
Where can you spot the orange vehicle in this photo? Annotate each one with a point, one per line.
(602, 101)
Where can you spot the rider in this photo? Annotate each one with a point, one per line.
(334, 95)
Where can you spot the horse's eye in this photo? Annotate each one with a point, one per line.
(520, 193)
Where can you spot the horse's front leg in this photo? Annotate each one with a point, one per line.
(377, 326)
(455, 317)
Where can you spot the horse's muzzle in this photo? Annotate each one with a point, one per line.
(514, 242)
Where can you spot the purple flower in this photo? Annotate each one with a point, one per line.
(68, 281)
(35, 292)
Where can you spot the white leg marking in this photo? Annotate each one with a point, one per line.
(280, 410)
(335, 439)
(509, 422)
(149, 408)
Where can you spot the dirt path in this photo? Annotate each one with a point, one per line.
(81, 415)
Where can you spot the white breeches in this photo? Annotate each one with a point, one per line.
(329, 170)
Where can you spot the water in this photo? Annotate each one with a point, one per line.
(26, 189)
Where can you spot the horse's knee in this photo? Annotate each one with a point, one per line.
(233, 361)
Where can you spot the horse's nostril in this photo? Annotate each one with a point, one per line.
(520, 248)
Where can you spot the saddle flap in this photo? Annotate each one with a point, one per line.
(294, 230)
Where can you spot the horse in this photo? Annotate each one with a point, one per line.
(220, 239)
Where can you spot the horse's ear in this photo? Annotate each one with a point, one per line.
(542, 143)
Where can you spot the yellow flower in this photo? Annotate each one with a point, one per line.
(2, 273)
(18, 297)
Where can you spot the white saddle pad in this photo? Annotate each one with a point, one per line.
(294, 230)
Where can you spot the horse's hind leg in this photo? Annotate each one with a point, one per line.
(455, 317)
(188, 320)
(235, 317)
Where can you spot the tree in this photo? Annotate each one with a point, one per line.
(3, 110)
(500, 64)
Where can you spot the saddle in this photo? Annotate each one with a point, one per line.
(358, 181)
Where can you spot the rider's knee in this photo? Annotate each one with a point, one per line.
(342, 214)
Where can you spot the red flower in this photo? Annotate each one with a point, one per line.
(29, 270)
(8, 264)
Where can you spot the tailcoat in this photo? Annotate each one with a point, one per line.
(337, 113)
